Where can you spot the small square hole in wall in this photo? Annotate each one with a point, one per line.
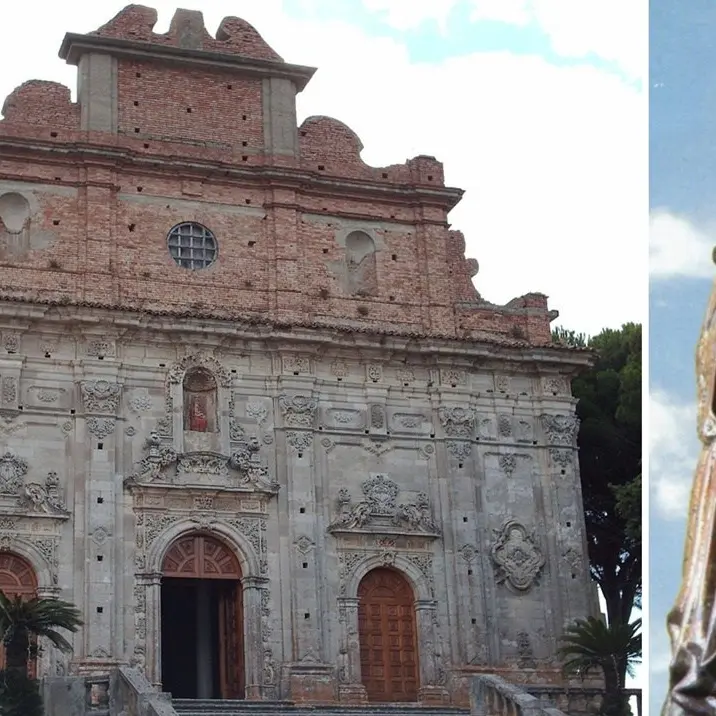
(300, 455)
(459, 465)
(295, 372)
(100, 558)
(146, 146)
(430, 177)
(385, 175)
(251, 243)
(248, 201)
(136, 103)
(325, 251)
(136, 130)
(55, 222)
(564, 472)
(244, 144)
(47, 355)
(53, 134)
(469, 573)
(100, 500)
(139, 74)
(72, 412)
(321, 167)
(244, 158)
(58, 178)
(100, 446)
(229, 86)
(394, 257)
(100, 610)
(139, 188)
(233, 370)
(306, 616)
(305, 565)
(473, 620)
(464, 519)
(131, 227)
(162, 365)
(392, 298)
(19, 407)
(569, 524)
(188, 110)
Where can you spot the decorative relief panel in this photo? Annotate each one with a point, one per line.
(296, 365)
(554, 385)
(453, 377)
(502, 383)
(517, 559)
(299, 440)
(29, 498)
(459, 449)
(563, 458)
(241, 469)
(140, 402)
(100, 396)
(339, 369)
(9, 392)
(12, 474)
(299, 411)
(409, 422)
(377, 417)
(381, 509)
(100, 348)
(374, 372)
(561, 429)
(525, 431)
(504, 426)
(100, 427)
(11, 341)
(345, 418)
(457, 421)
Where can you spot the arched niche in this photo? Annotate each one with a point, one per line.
(362, 278)
(200, 401)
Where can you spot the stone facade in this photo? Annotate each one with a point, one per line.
(330, 395)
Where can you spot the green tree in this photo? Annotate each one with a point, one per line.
(22, 620)
(609, 441)
(589, 644)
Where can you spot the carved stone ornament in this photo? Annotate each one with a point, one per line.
(561, 429)
(457, 422)
(45, 498)
(241, 469)
(100, 396)
(100, 427)
(517, 559)
(198, 360)
(298, 410)
(300, 440)
(12, 473)
(380, 507)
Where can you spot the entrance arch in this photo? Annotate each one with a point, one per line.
(387, 636)
(202, 619)
(17, 579)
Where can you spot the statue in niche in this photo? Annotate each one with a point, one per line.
(199, 401)
(360, 262)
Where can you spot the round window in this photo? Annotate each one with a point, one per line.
(192, 246)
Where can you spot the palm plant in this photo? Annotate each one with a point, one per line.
(22, 620)
(589, 645)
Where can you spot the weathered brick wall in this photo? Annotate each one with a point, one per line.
(197, 142)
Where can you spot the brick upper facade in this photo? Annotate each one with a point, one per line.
(187, 127)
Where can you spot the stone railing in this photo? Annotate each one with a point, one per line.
(132, 695)
(76, 695)
(493, 696)
(576, 700)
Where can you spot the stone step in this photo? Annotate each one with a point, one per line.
(215, 707)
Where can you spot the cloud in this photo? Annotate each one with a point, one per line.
(611, 30)
(678, 248)
(673, 453)
(553, 159)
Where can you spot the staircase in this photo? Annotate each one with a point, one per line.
(207, 707)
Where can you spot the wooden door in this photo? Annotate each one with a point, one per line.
(17, 578)
(231, 641)
(387, 636)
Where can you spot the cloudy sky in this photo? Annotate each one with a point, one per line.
(534, 106)
(683, 234)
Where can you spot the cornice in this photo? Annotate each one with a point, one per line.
(75, 45)
(297, 179)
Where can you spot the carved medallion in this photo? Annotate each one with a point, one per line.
(12, 472)
(517, 559)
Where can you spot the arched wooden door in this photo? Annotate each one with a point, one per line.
(17, 579)
(200, 558)
(387, 637)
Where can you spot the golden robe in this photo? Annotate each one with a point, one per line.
(692, 620)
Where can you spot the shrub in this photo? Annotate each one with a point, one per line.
(19, 695)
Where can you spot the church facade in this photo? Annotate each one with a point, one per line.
(255, 420)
